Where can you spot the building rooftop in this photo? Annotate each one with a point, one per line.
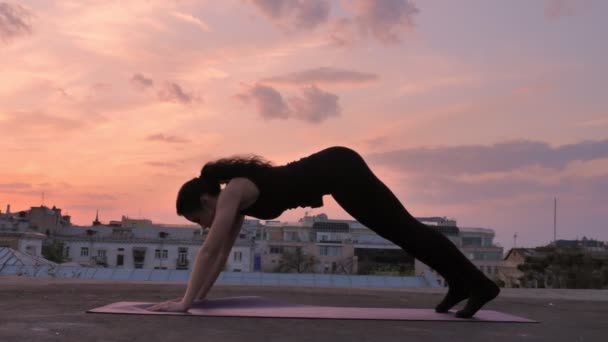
(11, 257)
(55, 310)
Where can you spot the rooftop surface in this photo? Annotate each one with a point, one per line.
(34, 309)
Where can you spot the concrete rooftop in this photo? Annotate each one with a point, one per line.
(34, 309)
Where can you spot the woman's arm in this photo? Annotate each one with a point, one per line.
(205, 264)
(227, 247)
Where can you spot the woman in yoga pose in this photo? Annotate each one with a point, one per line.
(257, 188)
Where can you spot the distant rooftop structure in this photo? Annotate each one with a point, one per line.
(437, 220)
(584, 242)
(11, 257)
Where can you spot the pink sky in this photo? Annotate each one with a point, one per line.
(475, 110)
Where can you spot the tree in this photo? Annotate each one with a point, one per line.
(565, 268)
(54, 252)
(345, 265)
(296, 261)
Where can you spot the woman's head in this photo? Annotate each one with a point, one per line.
(196, 200)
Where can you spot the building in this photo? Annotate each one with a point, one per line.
(335, 246)
(477, 244)
(329, 243)
(508, 272)
(131, 243)
(17, 234)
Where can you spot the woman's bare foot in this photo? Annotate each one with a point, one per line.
(480, 295)
(454, 296)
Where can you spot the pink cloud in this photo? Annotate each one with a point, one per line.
(167, 138)
(8, 187)
(173, 92)
(39, 124)
(162, 164)
(555, 9)
(141, 82)
(294, 14)
(14, 21)
(500, 157)
(342, 32)
(385, 19)
(322, 75)
(315, 105)
(268, 101)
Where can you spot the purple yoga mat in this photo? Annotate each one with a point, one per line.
(254, 306)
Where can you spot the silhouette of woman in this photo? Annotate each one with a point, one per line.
(264, 191)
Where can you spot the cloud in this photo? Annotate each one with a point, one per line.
(8, 187)
(315, 105)
(385, 19)
(377, 141)
(555, 9)
(38, 124)
(323, 75)
(163, 164)
(172, 92)
(168, 92)
(188, 18)
(599, 122)
(500, 157)
(167, 138)
(430, 84)
(141, 82)
(100, 196)
(515, 174)
(14, 21)
(268, 101)
(294, 14)
(342, 32)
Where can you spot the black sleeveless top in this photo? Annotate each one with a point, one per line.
(286, 187)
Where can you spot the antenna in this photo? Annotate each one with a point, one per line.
(42, 199)
(555, 220)
(514, 240)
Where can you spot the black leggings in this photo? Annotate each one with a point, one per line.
(347, 178)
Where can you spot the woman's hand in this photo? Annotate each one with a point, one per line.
(170, 306)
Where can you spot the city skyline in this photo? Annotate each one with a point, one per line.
(431, 220)
(483, 112)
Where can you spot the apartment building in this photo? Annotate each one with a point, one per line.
(328, 243)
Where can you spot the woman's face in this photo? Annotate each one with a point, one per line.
(204, 216)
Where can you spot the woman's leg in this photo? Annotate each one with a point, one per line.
(368, 200)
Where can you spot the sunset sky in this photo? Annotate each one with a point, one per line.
(482, 111)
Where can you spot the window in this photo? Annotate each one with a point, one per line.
(182, 255)
(292, 249)
(161, 253)
(101, 253)
(291, 236)
(67, 251)
(330, 250)
(31, 250)
(238, 256)
(84, 251)
(276, 249)
(471, 241)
